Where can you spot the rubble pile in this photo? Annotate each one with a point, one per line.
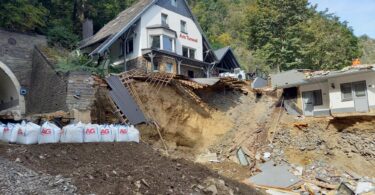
(17, 179)
(359, 142)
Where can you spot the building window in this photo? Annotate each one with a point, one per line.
(129, 47)
(318, 98)
(174, 3)
(346, 92)
(192, 53)
(188, 52)
(185, 52)
(164, 19)
(155, 41)
(360, 89)
(169, 68)
(183, 26)
(167, 43)
(190, 74)
(155, 67)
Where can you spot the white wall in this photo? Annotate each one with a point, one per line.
(335, 94)
(153, 17)
(325, 94)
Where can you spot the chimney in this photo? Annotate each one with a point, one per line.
(87, 29)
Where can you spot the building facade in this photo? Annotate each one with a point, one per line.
(157, 35)
(348, 91)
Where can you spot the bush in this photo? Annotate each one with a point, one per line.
(62, 36)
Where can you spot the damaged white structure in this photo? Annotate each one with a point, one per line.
(350, 90)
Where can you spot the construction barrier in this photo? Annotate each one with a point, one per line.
(30, 133)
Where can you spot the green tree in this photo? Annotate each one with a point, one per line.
(22, 15)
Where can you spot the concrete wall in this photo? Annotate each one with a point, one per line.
(16, 52)
(48, 90)
(335, 93)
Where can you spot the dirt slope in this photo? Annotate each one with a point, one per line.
(121, 168)
(183, 125)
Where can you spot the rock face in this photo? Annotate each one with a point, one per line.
(17, 179)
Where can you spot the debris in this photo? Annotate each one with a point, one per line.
(298, 171)
(363, 187)
(300, 125)
(145, 183)
(274, 176)
(208, 157)
(344, 189)
(242, 158)
(266, 156)
(211, 190)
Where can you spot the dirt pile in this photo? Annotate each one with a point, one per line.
(121, 168)
(183, 125)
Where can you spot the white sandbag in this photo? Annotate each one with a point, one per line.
(107, 133)
(91, 133)
(127, 134)
(133, 134)
(14, 132)
(2, 126)
(27, 133)
(72, 133)
(7, 132)
(122, 134)
(49, 133)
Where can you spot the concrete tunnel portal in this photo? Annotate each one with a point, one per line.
(12, 103)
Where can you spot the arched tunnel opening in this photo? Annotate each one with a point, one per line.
(11, 104)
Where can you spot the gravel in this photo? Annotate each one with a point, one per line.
(17, 179)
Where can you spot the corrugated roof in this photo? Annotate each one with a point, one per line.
(123, 19)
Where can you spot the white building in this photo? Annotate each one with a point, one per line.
(158, 35)
(346, 91)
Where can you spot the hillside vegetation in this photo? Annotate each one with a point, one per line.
(368, 49)
(267, 34)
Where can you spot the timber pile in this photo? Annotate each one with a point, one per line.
(235, 84)
(191, 84)
(188, 92)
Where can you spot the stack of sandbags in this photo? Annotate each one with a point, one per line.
(30, 133)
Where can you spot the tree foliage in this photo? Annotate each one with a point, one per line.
(265, 34)
(22, 15)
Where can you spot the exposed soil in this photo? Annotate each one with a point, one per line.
(121, 168)
(183, 124)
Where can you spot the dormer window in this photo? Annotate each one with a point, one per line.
(174, 3)
(164, 19)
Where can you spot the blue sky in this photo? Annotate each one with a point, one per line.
(360, 14)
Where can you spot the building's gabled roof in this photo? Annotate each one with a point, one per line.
(220, 53)
(227, 59)
(108, 34)
(123, 20)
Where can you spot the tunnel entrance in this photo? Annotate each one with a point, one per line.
(12, 104)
